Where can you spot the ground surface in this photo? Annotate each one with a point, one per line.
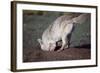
(34, 24)
(34, 55)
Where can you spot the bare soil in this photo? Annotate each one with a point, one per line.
(37, 55)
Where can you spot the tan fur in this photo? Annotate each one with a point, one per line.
(59, 30)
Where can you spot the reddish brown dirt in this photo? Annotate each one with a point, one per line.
(33, 55)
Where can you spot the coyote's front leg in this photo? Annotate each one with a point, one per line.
(64, 43)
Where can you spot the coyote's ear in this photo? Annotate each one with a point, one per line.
(40, 41)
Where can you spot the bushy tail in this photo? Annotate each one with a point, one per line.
(81, 18)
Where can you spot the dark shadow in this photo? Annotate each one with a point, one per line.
(57, 45)
(87, 46)
(57, 48)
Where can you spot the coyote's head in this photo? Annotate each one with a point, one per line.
(46, 46)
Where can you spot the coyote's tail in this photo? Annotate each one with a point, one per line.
(81, 18)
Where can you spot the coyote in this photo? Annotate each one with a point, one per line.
(59, 30)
